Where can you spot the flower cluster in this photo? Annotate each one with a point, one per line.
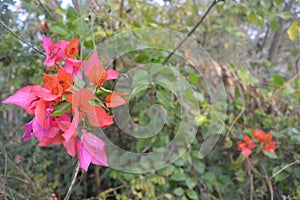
(63, 102)
(262, 139)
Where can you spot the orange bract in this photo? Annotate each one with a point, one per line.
(246, 146)
(270, 146)
(261, 136)
(115, 99)
(72, 48)
(80, 98)
(97, 75)
(58, 83)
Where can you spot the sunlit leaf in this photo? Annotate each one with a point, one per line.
(293, 31)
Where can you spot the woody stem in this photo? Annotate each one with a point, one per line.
(19, 38)
(74, 176)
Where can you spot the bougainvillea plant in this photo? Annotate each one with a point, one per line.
(64, 101)
(262, 140)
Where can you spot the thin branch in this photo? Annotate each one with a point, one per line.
(251, 185)
(193, 30)
(92, 28)
(121, 12)
(114, 189)
(253, 168)
(284, 168)
(269, 182)
(74, 176)
(286, 84)
(19, 38)
(5, 168)
(46, 9)
(241, 112)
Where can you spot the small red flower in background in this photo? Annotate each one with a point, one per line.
(54, 197)
(270, 146)
(44, 29)
(262, 136)
(246, 146)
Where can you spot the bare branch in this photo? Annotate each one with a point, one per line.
(193, 30)
(19, 38)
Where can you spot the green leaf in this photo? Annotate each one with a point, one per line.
(167, 85)
(61, 108)
(193, 78)
(270, 155)
(259, 21)
(59, 28)
(293, 31)
(139, 90)
(274, 24)
(168, 196)
(136, 24)
(297, 172)
(278, 2)
(178, 191)
(88, 43)
(72, 14)
(277, 80)
(179, 162)
(191, 182)
(164, 99)
(192, 194)
(96, 102)
(178, 176)
(208, 179)
(251, 17)
(238, 163)
(281, 176)
(199, 167)
(240, 175)
(140, 76)
(284, 15)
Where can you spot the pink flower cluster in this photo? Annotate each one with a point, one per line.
(60, 105)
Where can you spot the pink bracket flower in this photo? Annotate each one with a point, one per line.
(54, 52)
(91, 150)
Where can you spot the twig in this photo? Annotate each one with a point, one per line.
(92, 28)
(284, 168)
(241, 112)
(19, 38)
(253, 168)
(114, 189)
(193, 30)
(97, 178)
(286, 84)
(251, 184)
(269, 182)
(46, 9)
(74, 176)
(121, 13)
(5, 168)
